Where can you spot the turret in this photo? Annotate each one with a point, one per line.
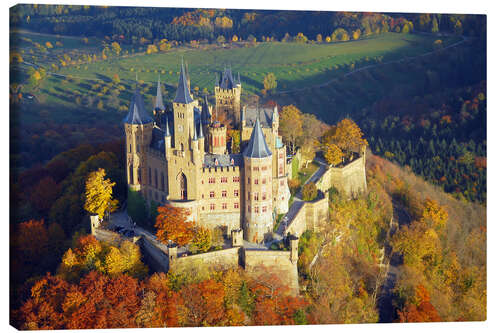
(243, 117)
(168, 137)
(201, 138)
(159, 98)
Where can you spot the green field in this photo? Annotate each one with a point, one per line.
(295, 65)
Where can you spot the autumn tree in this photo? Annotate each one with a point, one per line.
(308, 149)
(44, 194)
(202, 240)
(434, 215)
(419, 309)
(99, 194)
(347, 136)
(333, 154)
(309, 191)
(270, 81)
(291, 125)
(116, 48)
(205, 303)
(172, 225)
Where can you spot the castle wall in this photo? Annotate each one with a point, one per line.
(311, 215)
(350, 179)
(218, 260)
(228, 100)
(258, 262)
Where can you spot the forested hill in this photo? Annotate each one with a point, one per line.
(131, 24)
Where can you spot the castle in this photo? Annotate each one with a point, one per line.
(184, 159)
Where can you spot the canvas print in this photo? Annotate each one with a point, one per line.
(220, 167)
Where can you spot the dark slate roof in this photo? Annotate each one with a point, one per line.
(222, 160)
(158, 139)
(266, 116)
(183, 94)
(257, 146)
(159, 98)
(205, 112)
(227, 80)
(200, 134)
(137, 112)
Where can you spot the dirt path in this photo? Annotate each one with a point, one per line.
(387, 312)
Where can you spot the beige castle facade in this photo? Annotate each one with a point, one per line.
(184, 160)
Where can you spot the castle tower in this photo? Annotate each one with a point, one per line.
(159, 109)
(258, 159)
(185, 158)
(217, 138)
(227, 94)
(138, 126)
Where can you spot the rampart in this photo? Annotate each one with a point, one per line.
(310, 215)
(349, 180)
(219, 260)
(279, 263)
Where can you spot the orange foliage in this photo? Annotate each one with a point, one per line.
(205, 303)
(423, 311)
(32, 240)
(171, 224)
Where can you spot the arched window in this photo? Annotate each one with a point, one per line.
(183, 187)
(182, 147)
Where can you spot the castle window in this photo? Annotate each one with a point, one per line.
(255, 168)
(236, 193)
(281, 169)
(131, 174)
(264, 196)
(212, 194)
(224, 205)
(256, 181)
(138, 175)
(248, 195)
(202, 207)
(248, 180)
(224, 194)
(162, 182)
(236, 179)
(156, 178)
(264, 209)
(212, 206)
(256, 209)
(211, 180)
(256, 196)
(203, 196)
(130, 148)
(281, 155)
(223, 179)
(264, 180)
(149, 176)
(264, 168)
(236, 205)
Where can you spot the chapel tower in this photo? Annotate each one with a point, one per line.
(138, 131)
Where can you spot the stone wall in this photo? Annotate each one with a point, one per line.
(219, 260)
(311, 215)
(259, 262)
(351, 179)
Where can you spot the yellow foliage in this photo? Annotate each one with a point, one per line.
(99, 194)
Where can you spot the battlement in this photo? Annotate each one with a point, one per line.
(221, 169)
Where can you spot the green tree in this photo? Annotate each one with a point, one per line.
(270, 81)
(202, 240)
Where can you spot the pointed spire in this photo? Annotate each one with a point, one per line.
(239, 80)
(159, 98)
(137, 112)
(275, 115)
(183, 95)
(257, 146)
(201, 131)
(195, 136)
(167, 130)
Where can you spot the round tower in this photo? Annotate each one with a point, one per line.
(258, 159)
(217, 138)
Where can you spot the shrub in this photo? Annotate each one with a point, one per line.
(309, 192)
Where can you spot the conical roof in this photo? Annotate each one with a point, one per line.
(183, 94)
(205, 112)
(257, 146)
(137, 112)
(159, 98)
(227, 79)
